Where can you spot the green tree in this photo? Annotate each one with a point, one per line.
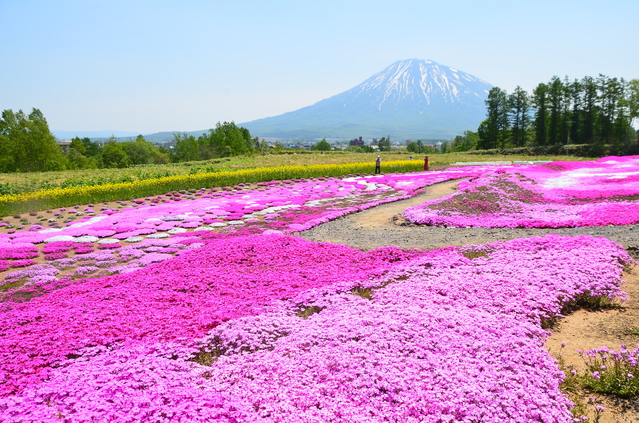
(496, 127)
(27, 144)
(384, 144)
(556, 107)
(186, 148)
(78, 156)
(322, 145)
(465, 142)
(518, 114)
(141, 151)
(227, 139)
(113, 154)
(78, 146)
(633, 98)
(540, 102)
(576, 123)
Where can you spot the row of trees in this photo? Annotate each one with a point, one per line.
(588, 111)
(27, 145)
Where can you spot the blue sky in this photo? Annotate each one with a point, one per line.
(159, 65)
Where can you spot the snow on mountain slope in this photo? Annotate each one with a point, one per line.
(423, 81)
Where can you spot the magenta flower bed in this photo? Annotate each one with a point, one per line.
(440, 338)
(294, 331)
(177, 299)
(286, 208)
(553, 195)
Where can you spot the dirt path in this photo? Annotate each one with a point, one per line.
(377, 227)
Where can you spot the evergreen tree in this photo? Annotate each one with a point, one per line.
(496, 131)
(540, 102)
(519, 103)
(633, 99)
(590, 109)
(556, 107)
(576, 124)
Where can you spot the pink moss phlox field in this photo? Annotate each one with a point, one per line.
(441, 338)
(285, 207)
(552, 195)
(180, 298)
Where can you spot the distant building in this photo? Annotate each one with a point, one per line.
(358, 142)
(65, 145)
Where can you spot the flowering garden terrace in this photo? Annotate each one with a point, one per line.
(552, 195)
(203, 305)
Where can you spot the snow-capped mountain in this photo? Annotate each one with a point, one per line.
(409, 99)
(419, 84)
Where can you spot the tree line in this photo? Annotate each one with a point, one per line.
(597, 111)
(27, 145)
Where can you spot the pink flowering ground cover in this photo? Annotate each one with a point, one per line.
(450, 335)
(553, 195)
(180, 298)
(277, 206)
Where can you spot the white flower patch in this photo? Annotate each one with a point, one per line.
(176, 231)
(316, 203)
(60, 238)
(176, 217)
(133, 239)
(573, 177)
(275, 209)
(158, 235)
(86, 238)
(371, 186)
(203, 228)
(108, 241)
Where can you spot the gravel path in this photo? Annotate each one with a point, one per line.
(383, 225)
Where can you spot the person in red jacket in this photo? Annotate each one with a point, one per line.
(426, 163)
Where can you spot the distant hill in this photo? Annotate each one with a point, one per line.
(410, 99)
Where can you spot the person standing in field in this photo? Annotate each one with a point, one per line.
(426, 163)
(378, 165)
